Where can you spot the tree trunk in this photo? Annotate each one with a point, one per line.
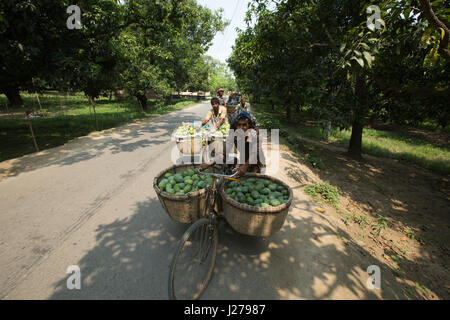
(273, 107)
(37, 98)
(32, 133)
(142, 98)
(91, 100)
(14, 98)
(355, 145)
(354, 148)
(327, 137)
(168, 100)
(288, 112)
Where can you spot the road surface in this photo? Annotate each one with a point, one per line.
(91, 204)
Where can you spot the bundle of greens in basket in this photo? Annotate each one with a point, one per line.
(184, 183)
(257, 192)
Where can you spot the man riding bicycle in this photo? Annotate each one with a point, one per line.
(246, 139)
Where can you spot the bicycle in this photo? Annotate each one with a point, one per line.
(197, 249)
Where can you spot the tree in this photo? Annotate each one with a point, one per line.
(300, 53)
(30, 33)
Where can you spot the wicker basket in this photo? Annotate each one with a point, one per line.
(251, 220)
(189, 145)
(218, 143)
(186, 208)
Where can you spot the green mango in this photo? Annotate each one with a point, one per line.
(265, 191)
(201, 184)
(187, 188)
(195, 177)
(182, 185)
(252, 180)
(179, 193)
(188, 181)
(170, 190)
(244, 189)
(255, 194)
(173, 182)
(176, 187)
(259, 187)
(272, 187)
(265, 182)
(277, 194)
(167, 175)
(265, 205)
(162, 185)
(178, 178)
(284, 192)
(275, 203)
(280, 188)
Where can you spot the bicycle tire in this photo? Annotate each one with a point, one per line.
(205, 235)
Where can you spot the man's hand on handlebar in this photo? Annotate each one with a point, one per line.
(242, 170)
(205, 166)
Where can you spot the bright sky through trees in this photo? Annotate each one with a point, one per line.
(234, 11)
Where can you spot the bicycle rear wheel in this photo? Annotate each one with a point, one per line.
(193, 263)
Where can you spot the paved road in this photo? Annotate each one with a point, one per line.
(94, 206)
(91, 203)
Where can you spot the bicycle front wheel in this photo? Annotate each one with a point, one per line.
(193, 263)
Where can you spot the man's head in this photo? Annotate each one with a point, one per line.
(243, 100)
(215, 102)
(220, 92)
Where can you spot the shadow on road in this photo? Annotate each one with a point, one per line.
(132, 256)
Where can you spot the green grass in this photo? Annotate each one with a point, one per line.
(380, 143)
(68, 118)
(323, 191)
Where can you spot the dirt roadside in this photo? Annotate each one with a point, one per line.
(414, 201)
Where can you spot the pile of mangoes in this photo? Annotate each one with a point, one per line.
(184, 182)
(257, 192)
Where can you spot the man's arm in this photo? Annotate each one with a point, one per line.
(221, 121)
(208, 117)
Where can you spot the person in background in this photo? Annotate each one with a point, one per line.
(231, 98)
(217, 115)
(243, 105)
(221, 97)
(238, 97)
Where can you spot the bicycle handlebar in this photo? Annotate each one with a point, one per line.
(216, 174)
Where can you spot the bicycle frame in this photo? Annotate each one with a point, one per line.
(212, 194)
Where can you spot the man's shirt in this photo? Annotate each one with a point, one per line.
(222, 114)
